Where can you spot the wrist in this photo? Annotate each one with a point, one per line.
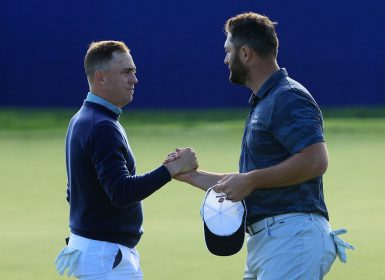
(171, 168)
(188, 177)
(251, 180)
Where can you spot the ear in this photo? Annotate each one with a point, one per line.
(99, 77)
(245, 53)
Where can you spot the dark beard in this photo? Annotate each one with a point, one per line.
(238, 73)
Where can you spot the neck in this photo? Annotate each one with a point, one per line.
(260, 72)
(95, 90)
(101, 93)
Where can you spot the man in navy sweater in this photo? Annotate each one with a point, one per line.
(103, 191)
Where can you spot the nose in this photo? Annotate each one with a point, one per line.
(134, 79)
(226, 61)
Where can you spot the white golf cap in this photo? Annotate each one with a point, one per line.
(224, 223)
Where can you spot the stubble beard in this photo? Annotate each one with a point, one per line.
(238, 73)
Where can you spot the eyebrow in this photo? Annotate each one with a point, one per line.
(130, 69)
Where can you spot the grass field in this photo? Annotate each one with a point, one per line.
(34, 213)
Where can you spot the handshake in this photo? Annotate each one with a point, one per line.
(180, 161)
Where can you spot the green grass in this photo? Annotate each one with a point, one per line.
(34, 213)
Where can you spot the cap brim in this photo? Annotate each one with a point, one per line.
(225, 245)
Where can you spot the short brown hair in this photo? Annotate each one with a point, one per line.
(255, 30)
(100, 53)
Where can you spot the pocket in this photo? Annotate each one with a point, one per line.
(291, 227)
(330, 253)
(322, 224)
(130, 259)
(118, 259)
(136, 257)
(135, 252)
(97, 259)
(109, 255)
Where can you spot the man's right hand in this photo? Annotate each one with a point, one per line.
(184, 161)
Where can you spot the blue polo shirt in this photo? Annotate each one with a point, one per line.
(284, 119)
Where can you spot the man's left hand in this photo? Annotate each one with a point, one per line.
(236, 186)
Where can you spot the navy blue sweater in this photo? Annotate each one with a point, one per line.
(103, 191)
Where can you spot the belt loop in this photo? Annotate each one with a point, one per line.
(250, 230)
(311, 217)
(267, 227)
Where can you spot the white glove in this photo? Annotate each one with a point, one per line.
(340, 244)
(67, 258)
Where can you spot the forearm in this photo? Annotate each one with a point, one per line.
(125, 189)
(303, 166)
(201, 179)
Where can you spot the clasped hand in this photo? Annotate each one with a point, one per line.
(181, 161)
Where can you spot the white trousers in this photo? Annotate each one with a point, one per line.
(97, 259)
(295, 246)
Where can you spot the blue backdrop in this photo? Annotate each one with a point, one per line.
(335, 48)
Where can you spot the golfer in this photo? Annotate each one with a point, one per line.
(283, 158)
(103, 191)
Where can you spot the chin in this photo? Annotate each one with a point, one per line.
(235, 81)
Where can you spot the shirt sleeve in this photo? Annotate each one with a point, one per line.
(296, 121)
(108, 154)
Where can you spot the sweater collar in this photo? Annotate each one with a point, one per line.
(92, 97)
